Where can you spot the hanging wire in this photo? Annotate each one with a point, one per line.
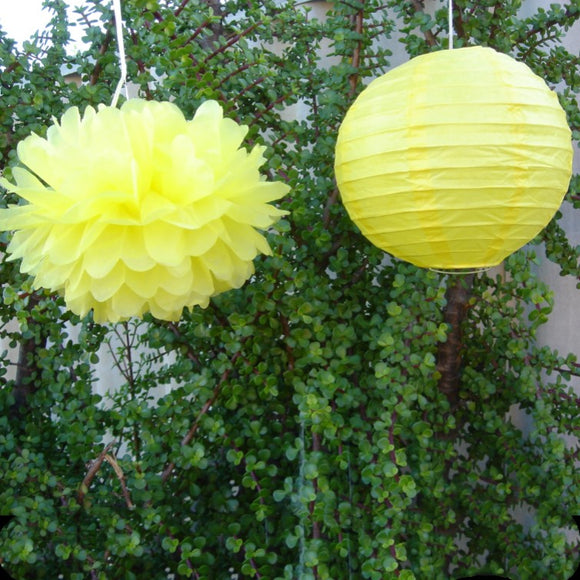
(122, 59)
(460, 271)
(302, 553)
(450, 18)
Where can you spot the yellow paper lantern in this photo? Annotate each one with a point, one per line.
(455, 159)
(140, 210)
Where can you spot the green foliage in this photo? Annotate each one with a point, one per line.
(294, 428)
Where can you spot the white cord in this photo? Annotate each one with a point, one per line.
(122, 59)
(302, 553)
(450, 16)
(461, 271)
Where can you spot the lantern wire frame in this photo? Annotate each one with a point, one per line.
(461, 271)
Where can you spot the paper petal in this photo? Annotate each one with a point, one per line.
(138, 210)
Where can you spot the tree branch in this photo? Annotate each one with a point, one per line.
(94, 78)
(121, 477)
(27, 368)
(93, 470)
(206, 407)
(449, 352)
(429, 36)
(356, 56)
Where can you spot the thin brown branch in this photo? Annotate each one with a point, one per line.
(543, 26)
(567, 371)
(496, 20)
(270, 107)
(356, 56)
(286, 332)
(190, 354)
(458, 23)
(181, 7)
(205, 408)
(250, 86)
(332, 199)
(239, 70)
(92, 472)
(232, 41)
(27, 366)
(197, 32)
(12, 67)
(429, 36)
(141, 67)
(121, 477)
(94, 78)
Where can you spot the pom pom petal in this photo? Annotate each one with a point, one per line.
(143, 211)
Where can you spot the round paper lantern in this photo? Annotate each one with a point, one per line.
(455, 159)
(134, 210)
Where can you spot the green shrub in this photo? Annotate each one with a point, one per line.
(297, 427)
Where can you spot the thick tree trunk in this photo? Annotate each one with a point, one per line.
(449, 352)
(27, 370)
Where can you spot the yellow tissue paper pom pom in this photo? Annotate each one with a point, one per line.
(137, 209)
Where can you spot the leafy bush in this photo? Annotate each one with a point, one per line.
(315, 423)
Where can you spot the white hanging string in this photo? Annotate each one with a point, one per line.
(122, 60)
(450, 17)
(460, 271)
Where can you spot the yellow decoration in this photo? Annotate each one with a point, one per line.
(455, 159)
(137, 210)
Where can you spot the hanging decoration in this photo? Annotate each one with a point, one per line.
(135, 210)
(138, 210)
(142, 211)
(455, 159)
